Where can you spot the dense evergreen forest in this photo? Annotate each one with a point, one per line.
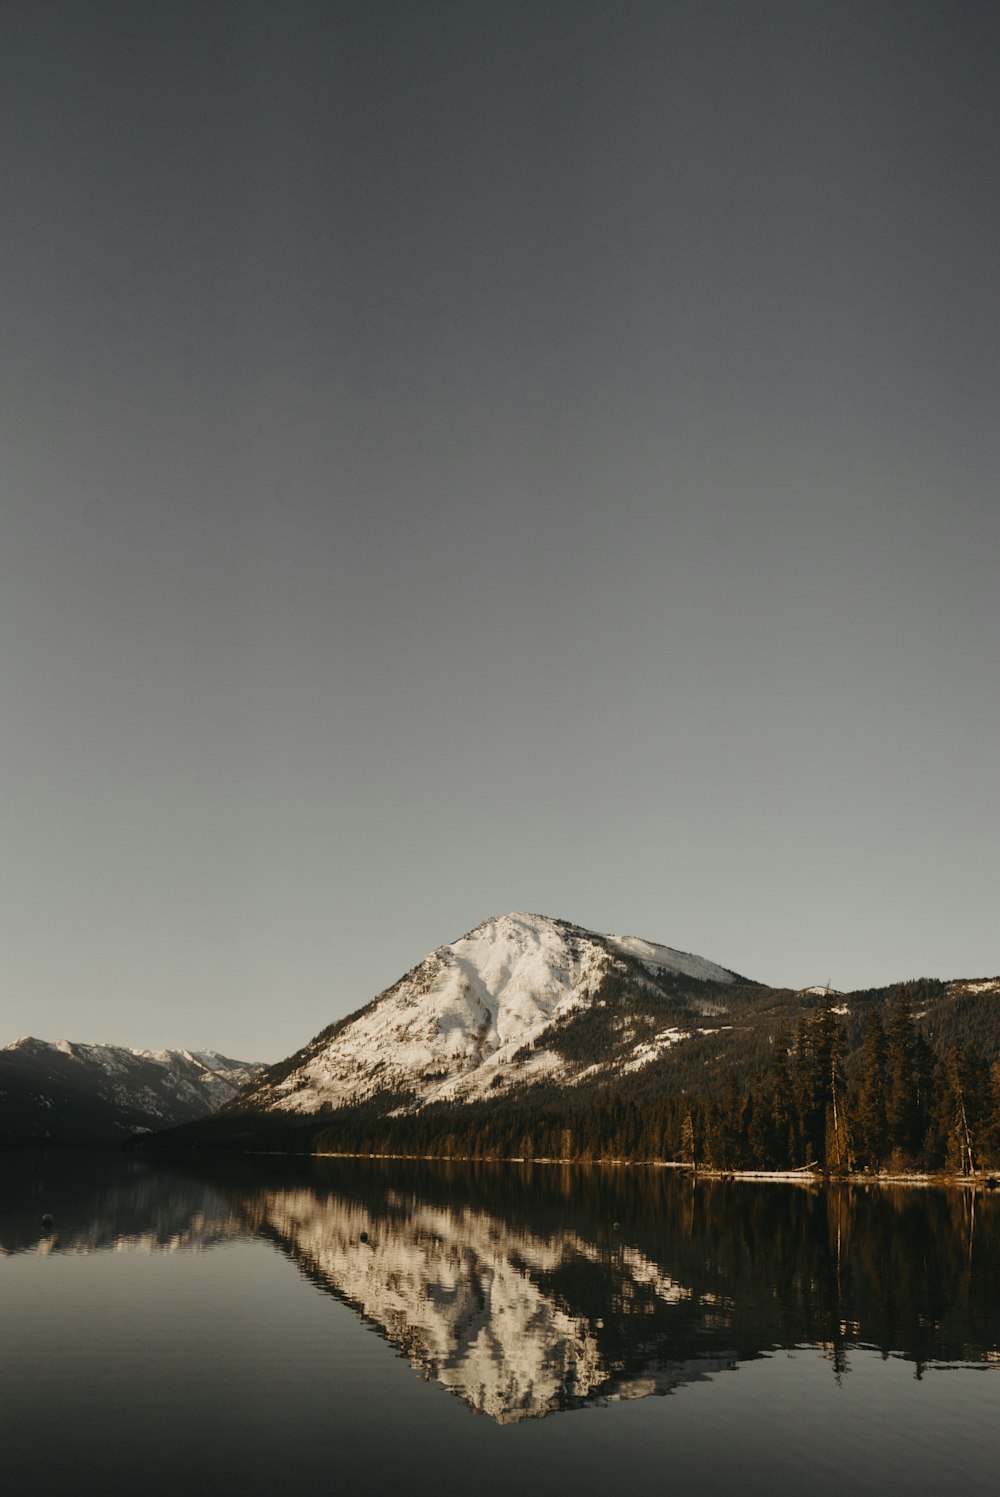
(845, 1089)
(906, 1106)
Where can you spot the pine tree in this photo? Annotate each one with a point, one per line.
(872, 1129)
(992, 1130)
(970, 1087)
(730, 1126)
(925, 1081)
(760, 1127)
(839, 1152)
(809, 1110)
(821, 1091)
(900, 1099)
(783, 1110)
(688, 1151)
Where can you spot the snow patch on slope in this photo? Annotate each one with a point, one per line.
(648, 1050)
(666, 959)
(470, 1020)
(446, 1029)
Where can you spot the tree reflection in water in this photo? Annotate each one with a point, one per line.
(529, 1289)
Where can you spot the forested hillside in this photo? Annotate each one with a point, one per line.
(905, 1078)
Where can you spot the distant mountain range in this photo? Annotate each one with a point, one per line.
(521, 1014)
(61, 1092)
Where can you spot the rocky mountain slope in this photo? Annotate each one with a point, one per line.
(519, 1000)
(62, 1092)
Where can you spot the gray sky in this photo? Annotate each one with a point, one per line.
(469, 457)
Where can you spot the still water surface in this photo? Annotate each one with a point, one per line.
(359, 1326)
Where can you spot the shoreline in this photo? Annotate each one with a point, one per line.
(985, 1180)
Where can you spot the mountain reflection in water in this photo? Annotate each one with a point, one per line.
(504, 1315)
(526, 1290)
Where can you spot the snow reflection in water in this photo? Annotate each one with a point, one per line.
(514, 1288)
(465, 1297)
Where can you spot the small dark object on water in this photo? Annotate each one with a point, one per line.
(364, 1237)
(991, 1183)
(47, 1219)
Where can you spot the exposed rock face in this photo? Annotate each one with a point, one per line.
(485, 1014)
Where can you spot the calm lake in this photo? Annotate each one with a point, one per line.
(359, 1326)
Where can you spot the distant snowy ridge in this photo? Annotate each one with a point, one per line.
(475, 1017)
(73, 1091)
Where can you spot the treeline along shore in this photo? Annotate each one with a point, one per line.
(894, 1103)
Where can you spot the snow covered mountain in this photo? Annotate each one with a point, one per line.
(63, 1092)
(519, 999)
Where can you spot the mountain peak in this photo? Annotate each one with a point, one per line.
(484, 1014)
(515, 921)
